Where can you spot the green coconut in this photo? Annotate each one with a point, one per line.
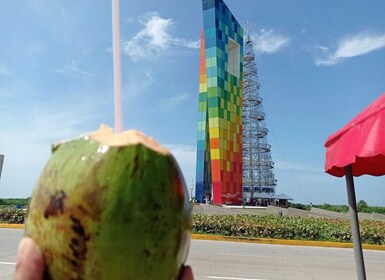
(111, 206)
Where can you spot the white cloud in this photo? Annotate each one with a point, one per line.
(149, 76)
(53, 125)
(186, 43)
(34, 48)
(297, 166)
(27, 147)
(26, 138)
(322, 48)
(73, 70)
(174, 101)
(61, 18)
(186, 158)
(4, 71)
(154, 39)
(353, 46)
(268, 41)
(139, 82)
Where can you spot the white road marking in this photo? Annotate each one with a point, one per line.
(8, 263)
(254, 256)
(231, 278)
(240, 255)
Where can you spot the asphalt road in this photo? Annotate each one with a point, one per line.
(236, 261)
(9, 239)
(231, 260)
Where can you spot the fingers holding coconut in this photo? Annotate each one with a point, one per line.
(186, 274)
(30, 265)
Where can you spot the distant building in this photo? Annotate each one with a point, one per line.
(219, 144)
(265, 199)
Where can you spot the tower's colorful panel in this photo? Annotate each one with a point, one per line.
(219, 145)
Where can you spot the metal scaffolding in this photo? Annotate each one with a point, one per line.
(258, 176)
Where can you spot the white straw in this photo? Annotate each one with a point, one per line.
(118, 107)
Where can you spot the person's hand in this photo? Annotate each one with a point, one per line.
(30, 264)
(187, 273)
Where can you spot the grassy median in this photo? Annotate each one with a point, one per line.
(270, 226)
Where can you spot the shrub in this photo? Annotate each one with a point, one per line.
(299, 206)
(335, 208)
(256, 226)
(12, 216)
(316, 229)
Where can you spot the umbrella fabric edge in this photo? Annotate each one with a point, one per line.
(373, 166)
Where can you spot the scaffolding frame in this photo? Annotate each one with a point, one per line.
(258, 175)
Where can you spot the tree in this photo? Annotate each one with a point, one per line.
(362, 206)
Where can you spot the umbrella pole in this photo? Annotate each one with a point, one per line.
(360, 265)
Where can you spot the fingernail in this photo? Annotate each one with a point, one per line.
(24, 246)
(27, 247)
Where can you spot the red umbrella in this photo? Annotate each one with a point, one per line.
(356, 149)
(360, 143)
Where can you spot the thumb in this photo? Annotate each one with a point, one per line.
(30, 264)
(187, 273)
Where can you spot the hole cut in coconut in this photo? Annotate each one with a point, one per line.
(106, 136)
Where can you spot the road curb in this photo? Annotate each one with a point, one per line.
(285, 242)
(258, 240)
(14, 226)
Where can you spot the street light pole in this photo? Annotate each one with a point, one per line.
(191, 190)
(1, 163)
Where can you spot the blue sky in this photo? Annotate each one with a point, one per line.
(320, 63)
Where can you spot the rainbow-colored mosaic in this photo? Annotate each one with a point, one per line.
(219, 146)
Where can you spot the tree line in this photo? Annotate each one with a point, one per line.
(14, 201)
(362, 206)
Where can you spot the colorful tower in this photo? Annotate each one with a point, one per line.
(219, 145)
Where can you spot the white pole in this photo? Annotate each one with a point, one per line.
(118, 107)
(1, 163)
